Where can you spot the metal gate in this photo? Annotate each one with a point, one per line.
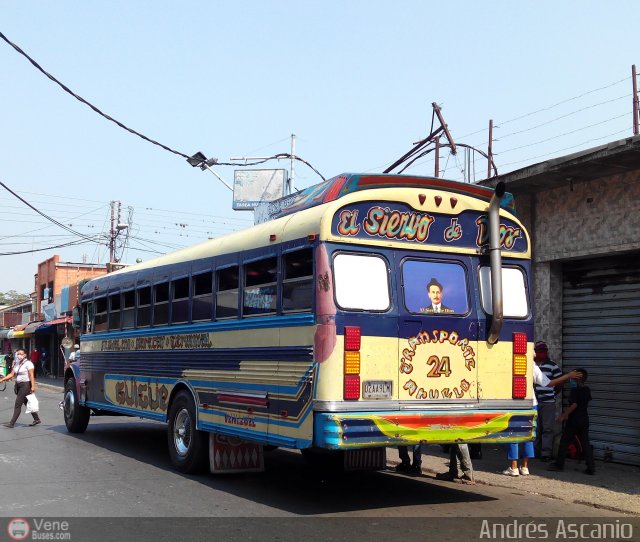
(601, 332)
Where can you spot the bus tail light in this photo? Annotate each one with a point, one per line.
(352, 338)
(520, 365)
(352, 387)
(519, 387)
(351, 363)
(519, 343)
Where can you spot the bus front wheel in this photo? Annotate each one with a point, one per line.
(76, 417)
(187, 446)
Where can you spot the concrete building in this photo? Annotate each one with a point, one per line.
(57, 285)
(583, 214)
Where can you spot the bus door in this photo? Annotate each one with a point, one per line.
(438, 330)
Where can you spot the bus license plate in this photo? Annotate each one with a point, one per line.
(377, 389)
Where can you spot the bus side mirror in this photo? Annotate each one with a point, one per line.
(75, 318)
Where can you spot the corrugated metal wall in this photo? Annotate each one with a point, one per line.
(601, 332)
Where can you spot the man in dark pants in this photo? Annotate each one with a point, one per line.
(405, 466)
(577, 418)
(546, 396)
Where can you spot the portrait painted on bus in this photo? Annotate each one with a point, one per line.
(435, 288)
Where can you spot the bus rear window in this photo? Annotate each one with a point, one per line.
(434, 288)
(361, 282)
(514, 292)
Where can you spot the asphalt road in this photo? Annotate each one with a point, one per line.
(120, 468)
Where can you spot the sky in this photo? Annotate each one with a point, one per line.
(353, 80)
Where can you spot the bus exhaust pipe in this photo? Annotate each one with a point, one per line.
(495, 258)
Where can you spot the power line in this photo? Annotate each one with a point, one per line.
(564, 134)
(73, 243)
(63, 226)
(81, 99)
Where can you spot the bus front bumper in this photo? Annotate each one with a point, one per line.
(343, 430)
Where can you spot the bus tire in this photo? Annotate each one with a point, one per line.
(188, 447)
(76, 417)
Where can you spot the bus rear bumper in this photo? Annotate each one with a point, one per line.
(343, 430)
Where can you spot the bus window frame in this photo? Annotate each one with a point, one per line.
(194, 297)
(103, 298)
(172, 299)
(88, 311)
(139, 287)
(276, 282)
(155, 303)
(467, 276)
(379, 255)
(124, 310)
(286, 281)
(527, 292)
(216, 279)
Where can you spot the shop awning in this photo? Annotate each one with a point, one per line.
(13, 334)
(4, 333)
(31, 327)
(48, 327)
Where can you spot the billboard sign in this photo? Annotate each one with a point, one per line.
(254, 186)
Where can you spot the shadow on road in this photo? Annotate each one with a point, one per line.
(288, 482)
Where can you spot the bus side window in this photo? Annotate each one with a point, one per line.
(202, 302)
(100, 318)
(88, 310)
(161, 304)
(128, 309)
(260, 295)
(297, 284)
(227, 292)
(114, 311)
(180, 301)
(143, 316)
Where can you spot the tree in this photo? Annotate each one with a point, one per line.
(11, 297)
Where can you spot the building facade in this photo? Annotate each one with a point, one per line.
(583, 214)
(46, 320)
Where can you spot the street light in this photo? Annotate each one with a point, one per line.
(201, 161)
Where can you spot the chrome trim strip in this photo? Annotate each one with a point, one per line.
(408, 406)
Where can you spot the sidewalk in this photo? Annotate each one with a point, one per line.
(614, 487)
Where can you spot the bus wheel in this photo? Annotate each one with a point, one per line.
(187, 446)
(76, 417)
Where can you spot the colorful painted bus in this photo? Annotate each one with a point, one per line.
(364, 312)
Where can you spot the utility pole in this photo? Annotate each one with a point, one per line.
(293, 155)
(112, 234)
(438, 112)
(490, 149)
(636, 104)
(114, 231)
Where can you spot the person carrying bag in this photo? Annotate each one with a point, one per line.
(23, 370)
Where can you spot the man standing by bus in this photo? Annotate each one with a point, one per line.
(546, 396)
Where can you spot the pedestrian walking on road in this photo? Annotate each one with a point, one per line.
(23, 370)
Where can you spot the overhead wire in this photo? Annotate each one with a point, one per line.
(87, 103)
(131, 130)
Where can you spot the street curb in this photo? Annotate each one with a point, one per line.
(426, 470)
(49, 387)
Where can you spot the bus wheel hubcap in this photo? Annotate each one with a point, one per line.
(182, 432)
